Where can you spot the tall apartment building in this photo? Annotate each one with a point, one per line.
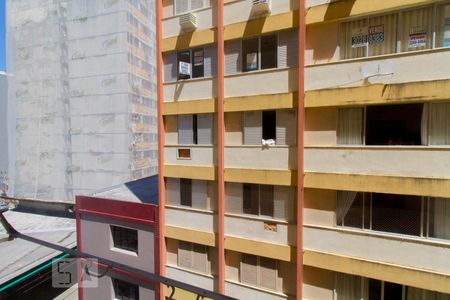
(84, 95)
(370, 218)
(3, 127)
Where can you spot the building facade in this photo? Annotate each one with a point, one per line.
(83, 95)
(121, 229)
(324, 182)
(3, 127)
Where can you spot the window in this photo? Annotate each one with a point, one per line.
(443, 34)
(262, 48)
(195, 129)
(394, 213)
(193, 257)
(186, 192)
(405, 124)
(260, 127)
(404, 31)
(124, 290)
(259, 271)
(258, 199)
(184, 6)
(125, 238)
(394, 124)
(356, 287)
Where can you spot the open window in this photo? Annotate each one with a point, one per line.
(269, 125)
(396, 125)
(250, 54)
(186, 192)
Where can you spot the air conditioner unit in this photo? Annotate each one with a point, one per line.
(188, 22)
(260, 7)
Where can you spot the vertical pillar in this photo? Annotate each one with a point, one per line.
(79, 250)
(300, 144)
(220, 148)
(161, 134)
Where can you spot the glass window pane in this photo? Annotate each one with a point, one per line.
(269, 51)
(250, 61)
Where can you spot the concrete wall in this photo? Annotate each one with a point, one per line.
(105, 289)
(394, 160)
(380, 247)
(191, 89)
(320, 207)
(194, 278)
(271, 81)
(97, 240)
(259, 157)
(396, 68)
(320, 126)
(317, 283)
(190, 218)
(200, 155)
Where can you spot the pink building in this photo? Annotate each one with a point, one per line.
(122, 231)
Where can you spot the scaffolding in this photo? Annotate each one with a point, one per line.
(84, 94)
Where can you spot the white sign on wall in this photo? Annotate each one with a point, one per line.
(184, 68)
(359, 37)
(417, 37)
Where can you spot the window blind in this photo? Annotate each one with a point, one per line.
(252, 128)
(204, 129)
(199, 194)
(184, 255)
(417, 29)
(248, 270)
(268, 273)
(173, 191)
(233, 57)
(288, 48)
(266, 200)
(199, 258)
(210, 61)
(185, 130)
(354, 39)
(286, 125)
(170, 67)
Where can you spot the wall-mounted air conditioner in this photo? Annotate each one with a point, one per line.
(261, 7)
(188, 22)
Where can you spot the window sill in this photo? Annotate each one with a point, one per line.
(189, 146)
(384, 147)
(272, 70)
(260, 146)
(386, 235)
(379, 57)
(187, 208)
(256, 288)
(182, 81)
(256, 218)
(123, 251)
(206, 275)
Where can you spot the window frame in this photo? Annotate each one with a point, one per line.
(259, 201)
(189, 7)
(399, 30)
(115, 282)
(191, 247)
(119, 244)
(191, 62)
(258, 272)
(259, 62)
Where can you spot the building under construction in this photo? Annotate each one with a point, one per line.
(82, 95)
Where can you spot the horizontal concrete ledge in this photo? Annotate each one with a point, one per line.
(377, 270)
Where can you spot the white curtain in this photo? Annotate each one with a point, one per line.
(345, 200)
(443, 35)
(348, 287)
(353, 31)
(417, 29)
(350, 126)
(441, 218)
(382, 34)
(440, 124)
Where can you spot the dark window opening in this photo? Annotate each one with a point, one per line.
(186, 192)
(198, 68)
(269, 52)
(124, 290)
(185, 57)
(269, 125)
(396, 213)
(374, 289)
(354, 217)
(250, 59)
(125, 238)
(251, 198)
(194, 129)
(394, 124)
(392, 291)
